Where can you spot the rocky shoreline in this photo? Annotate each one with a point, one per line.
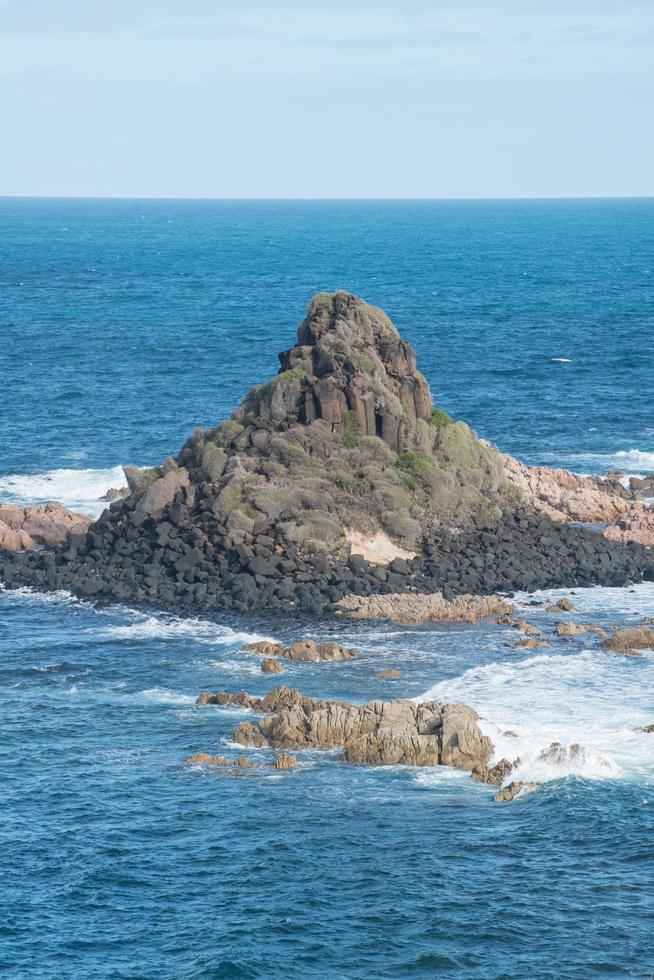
(337, 488)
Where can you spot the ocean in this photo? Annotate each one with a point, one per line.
(124, 325)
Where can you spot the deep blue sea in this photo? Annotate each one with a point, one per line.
(124, 325)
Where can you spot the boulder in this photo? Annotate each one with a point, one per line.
(266, 647)
(201, 758)
(389, 672)
(271, 666)
(508, 793)
(631, 640)
(284, 760)
(39, 525)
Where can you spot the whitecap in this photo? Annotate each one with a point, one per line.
(592, 698)
(561, 360)
(163, 627)
(163, 695)
(79, 489)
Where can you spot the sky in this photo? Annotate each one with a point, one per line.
(327, 98)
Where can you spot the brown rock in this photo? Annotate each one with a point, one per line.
(25, 528)
(390, 672)
(524, 627)
(380, 732)
(495, 775)
(530, 644)
(637, 524)
(271, 666)
(565, 604)
(508, 793)
(631, 640)
(201, 758)
(571, 629)
(244, 762)
(266, 647)
(419, 608)
(285, 761)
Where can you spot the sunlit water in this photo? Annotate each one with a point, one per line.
(126, 324)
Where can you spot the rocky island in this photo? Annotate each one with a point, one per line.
(339, 487)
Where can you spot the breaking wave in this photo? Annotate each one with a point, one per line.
(80, 490)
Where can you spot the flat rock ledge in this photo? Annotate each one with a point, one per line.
(424, 608)
(307, 650)
(383, 733)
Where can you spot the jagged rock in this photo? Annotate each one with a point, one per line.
(564, 496)
(380, 732)
(630, 641)
(423, 608)
(244, 762)
(564, 754)
(637, 524)
(284, 760)
(266, 647)
(524, 627)
(115, 493)
(508, 793)
(201, 758)
(271, 666)
(259, 511)
(649, 729)
(494, 775)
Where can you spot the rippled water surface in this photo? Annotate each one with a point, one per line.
(126, 324)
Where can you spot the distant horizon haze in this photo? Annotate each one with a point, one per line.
(304, 100)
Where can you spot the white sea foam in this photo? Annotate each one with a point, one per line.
(633, 461)
(149, 627)
(162, 695)
(561, 360)
(79, 489)
(594, 699)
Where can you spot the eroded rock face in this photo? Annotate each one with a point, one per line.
(51, 524)
(394, 732)
(412, 608)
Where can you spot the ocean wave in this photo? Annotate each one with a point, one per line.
(79, 489)
(561, 360)
(162, 627)
(636, 462)
(591, 699)
(163, 695)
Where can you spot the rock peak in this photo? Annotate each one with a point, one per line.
(351, 369)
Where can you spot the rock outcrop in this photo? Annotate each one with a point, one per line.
(380, 732)
(630, 640)
(431, 608)
(307, 650)
(24, 528)
(636, 524)
(343, 445)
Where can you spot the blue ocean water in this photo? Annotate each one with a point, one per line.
(124, 325)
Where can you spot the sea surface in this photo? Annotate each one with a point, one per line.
(124, 325)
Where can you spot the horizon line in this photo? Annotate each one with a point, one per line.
(334, 199)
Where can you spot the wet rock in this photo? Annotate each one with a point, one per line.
(309, 650)
(571, 629)
(529, 644)
(271, 666)
(493, 775)
(649, 729)
(389, 672)
(564, 755)
(202, 758)
(524, 627)
(243, 762)
(380, 732)
(284, 760)
(564, 604)
(508, 793)
(266, 647)
(631, 640)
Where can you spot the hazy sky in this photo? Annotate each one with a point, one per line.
(327, 98)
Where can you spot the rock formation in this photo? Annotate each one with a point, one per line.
(24, 528)
(380, 732)
(630, 640)
(431, 608)
(267, 509)
(307, 650)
